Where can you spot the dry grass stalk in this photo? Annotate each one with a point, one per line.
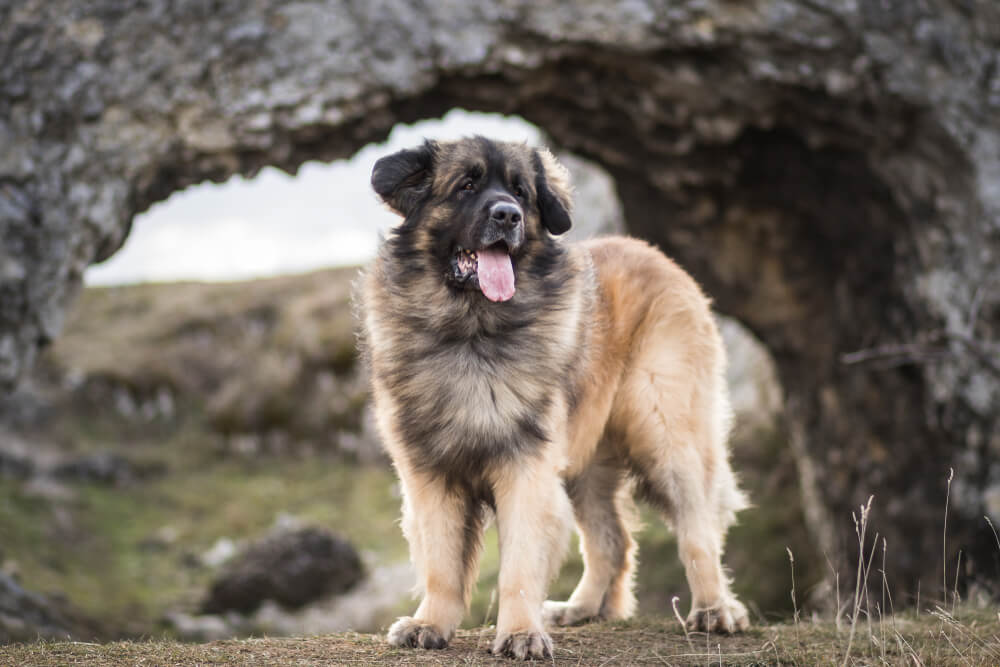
(860, 528)
(795, 606)
(944, 539)
(995, 536)
(955, 598)
(988, 648)
(680, 619)
(836, 579)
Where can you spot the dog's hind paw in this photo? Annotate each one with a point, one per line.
(727, 617)
(523, 645)
(564, 613)
(414, 633)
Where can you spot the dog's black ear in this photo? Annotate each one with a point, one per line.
(403, 179)
(554, 192)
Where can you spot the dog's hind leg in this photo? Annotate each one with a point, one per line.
(676, 443)
(444, 528)
(700, 541)
(602, 506)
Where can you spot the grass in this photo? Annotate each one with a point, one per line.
(968, 638)
(127, 555)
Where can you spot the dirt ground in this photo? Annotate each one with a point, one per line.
(967, 638)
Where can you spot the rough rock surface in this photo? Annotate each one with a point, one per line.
(368, 607)
(291, 567)
(829, 169)
(27, 616)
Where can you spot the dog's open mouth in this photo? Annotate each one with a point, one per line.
(491, 268)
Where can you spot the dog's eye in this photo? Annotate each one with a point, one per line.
(519, 192)
(468, 186)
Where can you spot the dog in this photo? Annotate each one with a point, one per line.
(519, 378)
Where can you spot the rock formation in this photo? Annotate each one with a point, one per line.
(27, 616)
(291, 567)
(830, 171)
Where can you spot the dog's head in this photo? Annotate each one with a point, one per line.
(477, 207)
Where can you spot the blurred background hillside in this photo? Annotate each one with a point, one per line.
(174, 423)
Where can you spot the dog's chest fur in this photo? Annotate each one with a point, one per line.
(469, 387)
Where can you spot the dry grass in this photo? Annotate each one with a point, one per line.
(969, 638)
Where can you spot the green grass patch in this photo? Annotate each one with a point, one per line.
(127, 555)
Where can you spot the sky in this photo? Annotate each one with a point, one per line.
(275, 223)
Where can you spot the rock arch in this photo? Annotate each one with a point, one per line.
(828, 170)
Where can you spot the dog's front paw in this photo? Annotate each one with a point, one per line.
(525, 645)
(414, 633)
(727, 617)
(563, 613)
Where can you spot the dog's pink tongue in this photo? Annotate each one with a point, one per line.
(496, 274)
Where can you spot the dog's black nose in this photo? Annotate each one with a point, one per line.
(505, 214)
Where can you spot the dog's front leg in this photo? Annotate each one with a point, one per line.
(444, 529)
(534, 517)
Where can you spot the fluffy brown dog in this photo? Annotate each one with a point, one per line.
(519, 377)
